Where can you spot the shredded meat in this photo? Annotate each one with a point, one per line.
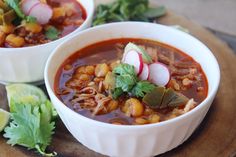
(190, 105)
(101, 101)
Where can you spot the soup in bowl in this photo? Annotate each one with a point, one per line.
(31, 29)
(132, 89)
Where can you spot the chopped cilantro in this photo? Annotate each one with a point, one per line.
(142, 87)
(127, 82)
(52, 33)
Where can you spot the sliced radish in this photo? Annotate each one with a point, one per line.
(159, 74)
(131, 46)
(134, 58)
(145, 73)
(26, 5)
(42, 12)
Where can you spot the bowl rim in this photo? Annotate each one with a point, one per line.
(211, 94)
(89, 16)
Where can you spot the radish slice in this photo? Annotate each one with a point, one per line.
(42, 12)
(26, 5)
(145, 73)
(134, 58)
(159, 74)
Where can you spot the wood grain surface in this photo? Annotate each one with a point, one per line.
(215, 137)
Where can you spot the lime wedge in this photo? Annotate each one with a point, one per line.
(4, 119)
(24, 93)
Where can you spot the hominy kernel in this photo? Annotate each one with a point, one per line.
(15, 41)
(154, 118)
(140, 121)
(84, 77)
(134, 107)
(80, 70)
(7, 29)
(113, 105)
(89, 70)
(101, 70)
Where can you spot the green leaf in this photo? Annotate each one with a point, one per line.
(31, 19)
(125, 69)
(126, 10)
(142, 88)
(125, 82)
(52, 33)
(117, 93)
(31, 126)
(14, 4)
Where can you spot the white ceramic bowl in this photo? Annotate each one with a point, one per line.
(134, 141)
(27, 64)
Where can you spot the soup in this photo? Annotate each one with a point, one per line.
(130, 82)
(35, 22)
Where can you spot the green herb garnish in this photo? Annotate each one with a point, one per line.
(32, 116)
(142, 88)
(117, 92)
(31, 126)
(52, 33)
(127, 10)
(125, 69)
(127, 82)
(125, 77)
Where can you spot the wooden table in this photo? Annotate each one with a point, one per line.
(216, 136)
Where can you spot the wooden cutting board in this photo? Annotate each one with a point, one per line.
(215, 137)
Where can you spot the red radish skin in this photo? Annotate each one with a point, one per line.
(42, 12)
(134, 58)
(145, 73)
(27, 5)
(159, 74)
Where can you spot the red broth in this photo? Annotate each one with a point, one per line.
(187, 77)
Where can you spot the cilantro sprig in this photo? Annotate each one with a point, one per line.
(127, 10)
(142, 88)
(31, 126)
(128, 82)
(52, 33)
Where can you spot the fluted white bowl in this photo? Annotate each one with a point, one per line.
(27, 64)
(133, 141)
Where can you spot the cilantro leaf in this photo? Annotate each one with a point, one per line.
(126, 10)
(116, 93)
(125, 77)
(52, 33)
(142, 88)
(125, 82)
(31, 126)
(124, 69)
